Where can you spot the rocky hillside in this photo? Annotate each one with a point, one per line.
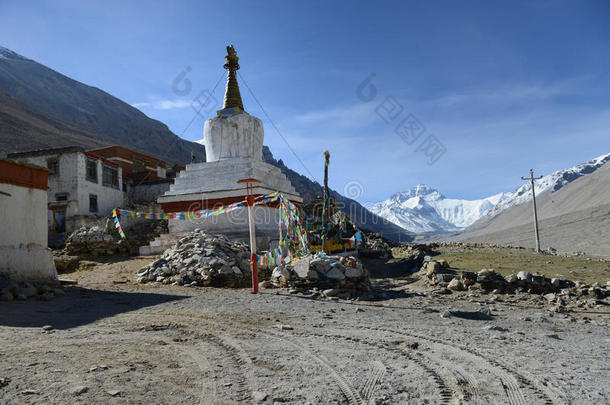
(99, 115)
(572, 218)
(23, 128)
(551, 182)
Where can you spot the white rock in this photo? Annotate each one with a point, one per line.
(81, 389)
(301, 267)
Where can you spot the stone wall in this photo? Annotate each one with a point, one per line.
(233, 224)
(148, 192)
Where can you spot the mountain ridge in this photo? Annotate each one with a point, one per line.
(424, 210)
(89, 108)
(31, 118)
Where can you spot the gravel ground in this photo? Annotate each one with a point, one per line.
(131, 343)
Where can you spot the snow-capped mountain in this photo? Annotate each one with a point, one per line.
(551, 182)
(423, 209)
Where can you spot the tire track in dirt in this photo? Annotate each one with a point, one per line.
(368, 390)
(352, 396)
(510, 379)
(442, 384)
(241, 391)
(511, 389)
(207, 397)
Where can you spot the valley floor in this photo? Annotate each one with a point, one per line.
(132, 343)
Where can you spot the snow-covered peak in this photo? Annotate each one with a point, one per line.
(551, 183)
(6, 53)
(421, 190)
(423, 209)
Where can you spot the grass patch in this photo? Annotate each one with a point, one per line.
(507, 261)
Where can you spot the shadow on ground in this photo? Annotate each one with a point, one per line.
(386, 268)
(79, 307)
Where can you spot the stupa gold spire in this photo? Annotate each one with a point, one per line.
(232, 97)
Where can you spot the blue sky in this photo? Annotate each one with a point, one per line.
(501, 86)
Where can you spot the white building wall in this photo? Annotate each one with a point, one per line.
(23, 243)
(72, 179)
(108, 198)
(65, 181)
(23, 215)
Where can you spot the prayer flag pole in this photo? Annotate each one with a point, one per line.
(250, 202)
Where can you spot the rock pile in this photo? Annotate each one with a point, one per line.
(554, 290)
(95, 240)
(22, 290)
(326, 275)
(103, 240)
(202, 259)
(375, 247)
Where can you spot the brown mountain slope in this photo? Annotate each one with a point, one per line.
(574, 218)
(87, 107)
(22, 128)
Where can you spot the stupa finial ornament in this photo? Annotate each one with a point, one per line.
(232, 99)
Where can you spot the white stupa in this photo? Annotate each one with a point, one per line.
(233, 146)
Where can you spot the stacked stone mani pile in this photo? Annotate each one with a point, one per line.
(202, 259)
(212, 260)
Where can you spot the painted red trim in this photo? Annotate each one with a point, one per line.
(197, 205)
(23, 175)
(91, 155)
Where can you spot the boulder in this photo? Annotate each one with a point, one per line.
(301, 266)
(455, 285)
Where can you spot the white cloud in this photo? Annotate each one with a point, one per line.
(163, 104)
(514, 93)
(355, 115)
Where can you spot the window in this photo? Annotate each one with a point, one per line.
(61, 197)
(53, 165)
(111, 177)
(92, 203)
(92, 170)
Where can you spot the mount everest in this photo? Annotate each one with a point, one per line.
(423, 209)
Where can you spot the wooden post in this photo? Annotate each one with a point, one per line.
(325, 205)
(531, 179)
(250, 201)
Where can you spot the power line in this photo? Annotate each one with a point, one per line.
(275, 126)
(201, 108)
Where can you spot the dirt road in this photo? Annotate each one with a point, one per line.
(133, 344)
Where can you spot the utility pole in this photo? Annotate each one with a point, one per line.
(326, 201)
(531, 179)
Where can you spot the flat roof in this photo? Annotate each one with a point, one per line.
(43, 152)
